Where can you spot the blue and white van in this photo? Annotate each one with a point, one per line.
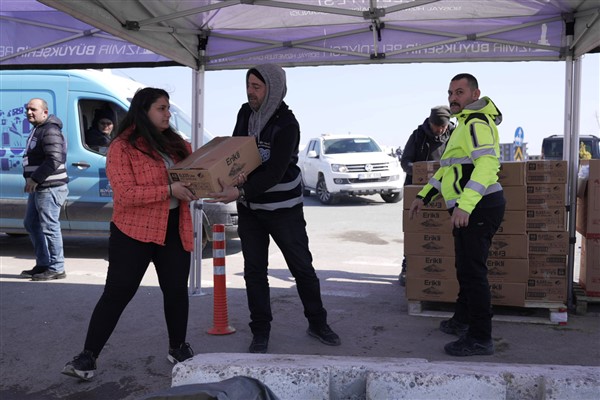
(74, 96)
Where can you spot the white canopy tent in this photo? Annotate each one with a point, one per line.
(236, 34)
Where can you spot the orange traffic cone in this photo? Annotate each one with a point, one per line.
(220, 319)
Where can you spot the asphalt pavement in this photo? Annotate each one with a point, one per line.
(357, 250)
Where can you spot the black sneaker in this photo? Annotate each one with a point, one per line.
(260, 344)
(82, 366)
(453, 327)
(49, 275)
(325, 335)
(180, 354)
(29, 273)
(467, 346)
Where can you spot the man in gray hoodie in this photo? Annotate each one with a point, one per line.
(270, 204)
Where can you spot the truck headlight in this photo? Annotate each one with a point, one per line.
(339, 168)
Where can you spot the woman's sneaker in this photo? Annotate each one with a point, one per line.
(180, 354)
(82, 366)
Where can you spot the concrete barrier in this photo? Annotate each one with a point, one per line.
(302, 377)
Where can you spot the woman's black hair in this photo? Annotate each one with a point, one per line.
(166, 142)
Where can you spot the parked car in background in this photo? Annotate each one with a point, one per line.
(349, 165)
(74, 96)
(552, 146)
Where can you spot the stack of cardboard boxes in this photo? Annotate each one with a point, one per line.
(547, 231)
(533, 228)
(588, 225)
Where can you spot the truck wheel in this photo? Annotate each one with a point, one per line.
(305, 191)
(324, 196)
(392, 197)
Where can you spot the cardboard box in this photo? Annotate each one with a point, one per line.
(549, 242)
(546, 195)
(423, 170)
(442, 244)
(589, 271)
(446, 290)
(427, 221)
(588, 207)
(546, 290)
(509, 246)
(222, 157)
(547, 219)
(516, 198)
(432, 267)
(410, 193)
(508, 293)
(428, 244)
(540, 269)
(508, 270)
(514, 222)
(431, 289)
(547, 171)
(442, 267)
(512, 173)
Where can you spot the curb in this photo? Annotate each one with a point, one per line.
(298, 377)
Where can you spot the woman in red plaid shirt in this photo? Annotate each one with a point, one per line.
(151, 222)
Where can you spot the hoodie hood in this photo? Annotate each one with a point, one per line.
(484, 105)
(274, 78)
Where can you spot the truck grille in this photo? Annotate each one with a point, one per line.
(378, 167)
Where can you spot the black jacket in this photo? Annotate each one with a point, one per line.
(423, 145)
(277, 182)
(46, 155)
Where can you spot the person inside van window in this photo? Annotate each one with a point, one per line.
(99, 135)
(151, 223)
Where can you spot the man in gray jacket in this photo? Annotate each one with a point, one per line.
(45, 172)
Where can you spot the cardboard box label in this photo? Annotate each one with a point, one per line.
(547, 171)
(546, 219)
(430, 267)
(548, 242)
(553, 289)
(546, 195)
(427, 221)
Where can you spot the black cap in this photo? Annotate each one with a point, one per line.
(440, 115)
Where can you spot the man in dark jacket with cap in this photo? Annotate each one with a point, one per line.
(45, 172)
(270, 205)
(426, 143)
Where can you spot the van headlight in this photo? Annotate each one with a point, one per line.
(339, 168)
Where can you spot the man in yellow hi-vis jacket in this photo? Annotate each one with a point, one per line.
(468, 181)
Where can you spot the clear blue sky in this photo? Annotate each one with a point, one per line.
(389, 101)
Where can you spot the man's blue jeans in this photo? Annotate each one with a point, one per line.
(42, 223)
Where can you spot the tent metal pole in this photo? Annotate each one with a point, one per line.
(567, 155)
(195, 281)
(572, 178)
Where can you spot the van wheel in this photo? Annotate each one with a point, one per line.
(392, 197)
(324, 196)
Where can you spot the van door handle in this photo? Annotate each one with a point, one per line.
(81, 165)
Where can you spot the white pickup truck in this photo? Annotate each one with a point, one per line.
(349, 165)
